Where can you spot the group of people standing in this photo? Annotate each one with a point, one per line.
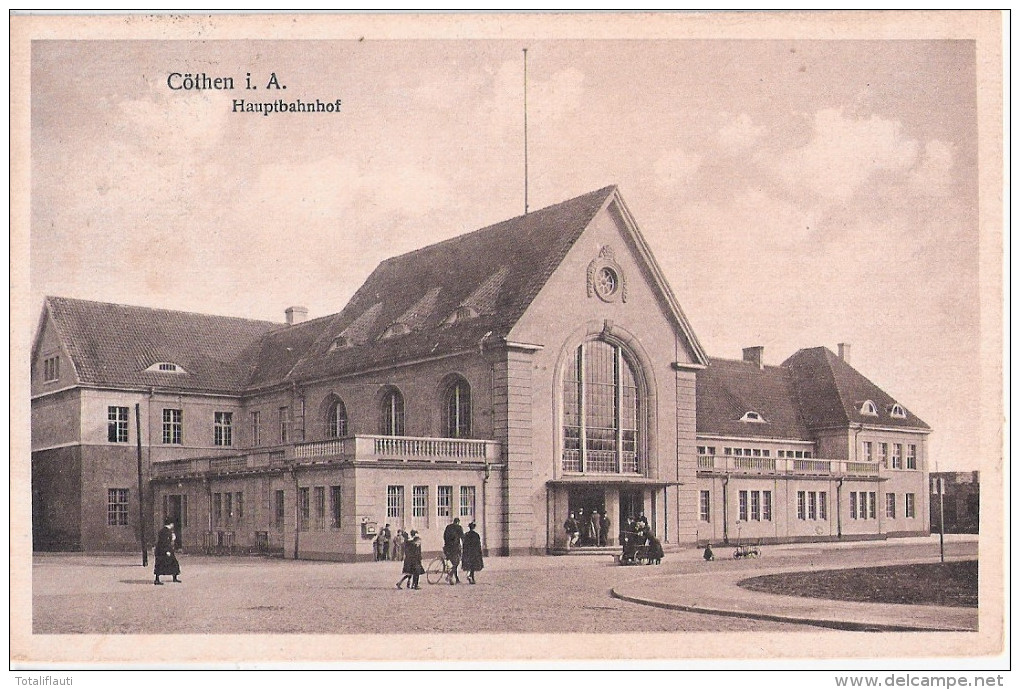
(462, 550)
(637, 533)
(389, 544)
(590, 530)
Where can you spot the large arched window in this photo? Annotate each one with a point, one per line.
(336, 426)
(392, 421)
(457, 409)
(601, 411)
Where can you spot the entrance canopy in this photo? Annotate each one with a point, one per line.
(610, 480)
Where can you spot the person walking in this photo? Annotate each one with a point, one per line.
(604, 529)
(472, 553)
(453, 536)
(412, 562)
(166, 561)
(572, 531)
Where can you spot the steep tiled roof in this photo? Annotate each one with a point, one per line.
(511, 260)
(830, 392)
(728, 389)
(114, 344)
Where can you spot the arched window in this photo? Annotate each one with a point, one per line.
(457, 409)
(337, 424)
(601, 411)
(392, 421)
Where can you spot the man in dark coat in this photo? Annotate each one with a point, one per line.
(453, 535)
(166, 561)
(472, 553)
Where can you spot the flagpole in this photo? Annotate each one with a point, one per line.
(525, 131)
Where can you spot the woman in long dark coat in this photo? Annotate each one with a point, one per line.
(472, 559)
(166, 561)
(412, 562)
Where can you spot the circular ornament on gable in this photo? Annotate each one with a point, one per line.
(605, 278)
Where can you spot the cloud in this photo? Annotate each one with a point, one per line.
(933, 175)
(738, 132)
(677, 168)
(844, 153)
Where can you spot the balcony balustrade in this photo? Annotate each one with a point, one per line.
(362, 448)
(813, 467)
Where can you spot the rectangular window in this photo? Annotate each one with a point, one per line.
(812, 505)
(117, 424)
(239, 505)
(256, 428)
(284, 413)
(705, 507)
(467, 501)
(823, 505)
(897, 456)
(420, 502)
(908, 506)
(217, 510)
(117, 507)
(869, 455)
(228, 507)
(173, 426)
(890, 506)
(883, 454)
(853, 505)
(911, 457)
(51, 368)
(395, 502)
(756, 505)
(801, 505)
(280, 513)
(320, 507)
(334, 507)
(444, 501)
(304, 508)
(222, 431)
(872, 505)
(742, 508)
(766, 506)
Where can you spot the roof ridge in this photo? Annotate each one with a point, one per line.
(491, 226)
(163, 310)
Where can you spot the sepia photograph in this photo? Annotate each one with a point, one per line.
(507, 337)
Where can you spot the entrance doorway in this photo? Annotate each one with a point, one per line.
(583, 503)
(175, 507)
(632, 503)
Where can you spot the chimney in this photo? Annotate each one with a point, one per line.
(753, 355)
(296, 315)
(844, 352)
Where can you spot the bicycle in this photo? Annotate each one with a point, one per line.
(438, 570)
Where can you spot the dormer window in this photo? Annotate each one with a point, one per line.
(869, 409)
(462, 313)
(897, 411)
(394, 330)
(339, 342)
(167, 368)
(752, 416)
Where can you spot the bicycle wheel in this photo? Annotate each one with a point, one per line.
(436, 571)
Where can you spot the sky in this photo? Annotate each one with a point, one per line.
(795, 193)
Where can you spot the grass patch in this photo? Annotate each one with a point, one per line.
(940, 584)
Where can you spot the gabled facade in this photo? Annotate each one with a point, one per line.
(512, 376)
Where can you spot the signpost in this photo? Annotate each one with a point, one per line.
(141, 494)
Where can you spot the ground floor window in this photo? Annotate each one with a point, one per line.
(117, 507)
(334, 507)
(279, 509)
(395, 502)
(217, 510)
(444, 501)
(890, 506)
(467, 501)
(802, 505)
(239, 505)
(420, 505)
(742, 508)
(304, 508)
(909, 508)
(705, 507)
(812, 505)
(320, 507)
(823, 505)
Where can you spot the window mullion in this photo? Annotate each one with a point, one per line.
(618, 415)
(582, 411)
